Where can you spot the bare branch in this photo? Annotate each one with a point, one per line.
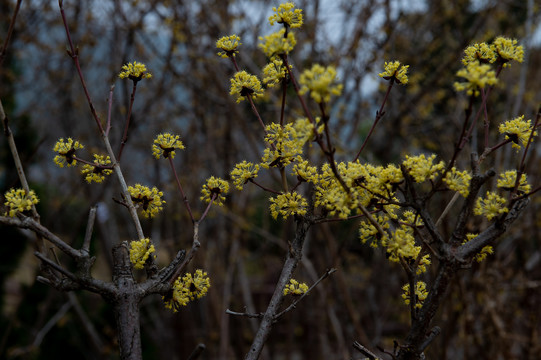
(249, 315)
(89, 229)
(294, 304)
(363, 350)
(29, 223)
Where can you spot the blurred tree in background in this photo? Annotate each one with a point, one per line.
(494, 308)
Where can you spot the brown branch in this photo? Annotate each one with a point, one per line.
(294, 304)
(293, 258)
(249, 315)
(89, 229)
(3, 52)
(28, 223)
(363, 350)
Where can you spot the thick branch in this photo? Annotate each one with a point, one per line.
(293, 258)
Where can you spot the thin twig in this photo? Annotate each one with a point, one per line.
(196, 352)
(109, 110)
(214, 196)
(128, 117)
(89, 229)
(294, 304)
(447, 208)
(379, 115)
(74, 54)
(195, 247)
(49, 325)
(249, 315)
(363, 350)
(184, 197)
(16, 158)
(3, 52)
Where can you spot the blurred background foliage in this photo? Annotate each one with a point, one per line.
(493, 309)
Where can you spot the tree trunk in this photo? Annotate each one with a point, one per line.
(126, 305)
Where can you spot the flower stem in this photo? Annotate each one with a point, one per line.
(184, 198)
(379, 115)
(125, 135)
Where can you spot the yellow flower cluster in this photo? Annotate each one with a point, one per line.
(368, 184)
(368, 233)
(295, 288)
(229, 45)
(401, 244)
(274, 72)
(165, 145)
(517, 130)
(304, 172)
(288, 204)
(508, 179)
(97, 173)
(508, 50)
(243, 172)
(502, 50)
(395, 70)
(66, 152)
(422, 168)
(186, 289)
(490, 206)
(420, 294)
(244, 84)
(149, 200)
(423, 263)
(321, 82)
(480, 52)
(287, 14)
(286, 145)
(485, 251)
(458, 181)
(215, 186)
(18, 201)
(140, 251)
(277, 43)
(134, 71)
(477, 76)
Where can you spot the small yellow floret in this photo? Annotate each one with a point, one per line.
(244, 172)
(140, 251)
(134, 71)
(321, 82)
(244, 84)
(97, 172)
(274, 72)
(287, 14)
(295, 288)
(228, 45)
(422, 168)
(18, 201)
(187, 288)
(481, 52)
(288, 204)
(395, 70)
(458, 181)
(420, 294)
(215, 186)
(477, 76)
(508, 180)
(66, 152)
(518, 131)
(490, 206)
(276, 44)
(508, 50)
(149, 200)
(165, 145)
